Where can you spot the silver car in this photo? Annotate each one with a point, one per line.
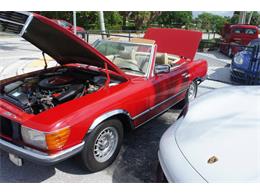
(218, 140)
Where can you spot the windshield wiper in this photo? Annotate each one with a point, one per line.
(126, 68)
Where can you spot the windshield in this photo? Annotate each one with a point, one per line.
(248, 31)
(132, 58)
(252, 44)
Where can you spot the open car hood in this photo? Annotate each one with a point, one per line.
(57, 42)
(175, 41)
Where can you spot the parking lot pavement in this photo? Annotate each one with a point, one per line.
(137, 161)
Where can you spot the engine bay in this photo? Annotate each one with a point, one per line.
(38, 93)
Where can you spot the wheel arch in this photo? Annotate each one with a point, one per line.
(120, 114)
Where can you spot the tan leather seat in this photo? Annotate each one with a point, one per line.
(126, 56)
(162, 58)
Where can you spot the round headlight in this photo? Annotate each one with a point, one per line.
(238, 59)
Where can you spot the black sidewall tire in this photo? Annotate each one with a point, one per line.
(185, 101)
(87, 157)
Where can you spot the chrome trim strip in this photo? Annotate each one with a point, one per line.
(158, 114)
(37, 157)
(28, 21)
(10, 21)
(159, 104)
(105, 116)
(141, 114)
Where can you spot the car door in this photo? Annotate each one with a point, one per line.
(167, 89)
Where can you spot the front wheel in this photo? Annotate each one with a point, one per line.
(102, 145)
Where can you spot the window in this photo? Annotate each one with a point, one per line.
(238, 30)
(131, 58)
(64, 24)
(250, 31)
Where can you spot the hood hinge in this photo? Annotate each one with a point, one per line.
(108, 75)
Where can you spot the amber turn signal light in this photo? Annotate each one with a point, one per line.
(56, 140)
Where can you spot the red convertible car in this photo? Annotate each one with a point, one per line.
(86, 104)
(80, 31)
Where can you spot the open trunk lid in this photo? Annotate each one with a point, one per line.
(175, 41)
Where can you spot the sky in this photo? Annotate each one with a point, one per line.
(221, 13)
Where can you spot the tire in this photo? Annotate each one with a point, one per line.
(192, 91)
(106, 139)
(186, 100)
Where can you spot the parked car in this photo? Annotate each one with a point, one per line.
(85, 105)
(235, 36)
(245, 65)
(216, 141)
(65, 24)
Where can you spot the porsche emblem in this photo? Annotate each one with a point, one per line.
(212, 160)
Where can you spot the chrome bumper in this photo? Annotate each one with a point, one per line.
(42, 159)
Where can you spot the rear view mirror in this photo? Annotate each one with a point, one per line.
(162, 68)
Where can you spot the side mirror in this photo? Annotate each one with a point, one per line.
(162, 68)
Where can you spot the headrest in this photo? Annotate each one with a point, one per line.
(129, 55)
(162, 58)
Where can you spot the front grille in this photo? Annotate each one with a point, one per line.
(239, 74)
(10, 129)
(12, 22)
(14, 16)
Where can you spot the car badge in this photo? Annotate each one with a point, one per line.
(212, 160)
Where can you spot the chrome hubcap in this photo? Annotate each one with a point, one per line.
(105, 144)
(192, 92)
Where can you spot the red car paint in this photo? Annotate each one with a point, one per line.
(235, 36)
(169, 41)
(142, 98)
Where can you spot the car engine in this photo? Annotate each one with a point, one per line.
(39, 93)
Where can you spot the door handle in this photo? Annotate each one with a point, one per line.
(185, 75)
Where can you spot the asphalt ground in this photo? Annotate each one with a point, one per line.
(137, 161)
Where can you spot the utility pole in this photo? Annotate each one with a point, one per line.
(74, 23)
(242, 18)
(102, 23)
(250, 17)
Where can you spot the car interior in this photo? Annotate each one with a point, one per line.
(169, 59)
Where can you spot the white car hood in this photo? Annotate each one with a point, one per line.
(225, 124)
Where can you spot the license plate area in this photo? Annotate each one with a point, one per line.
(16, 160)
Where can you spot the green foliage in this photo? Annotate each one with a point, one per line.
(88, 20)
(140, 20)
(175, 19)
(210, 22)
(255, 20)
(113, 20)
